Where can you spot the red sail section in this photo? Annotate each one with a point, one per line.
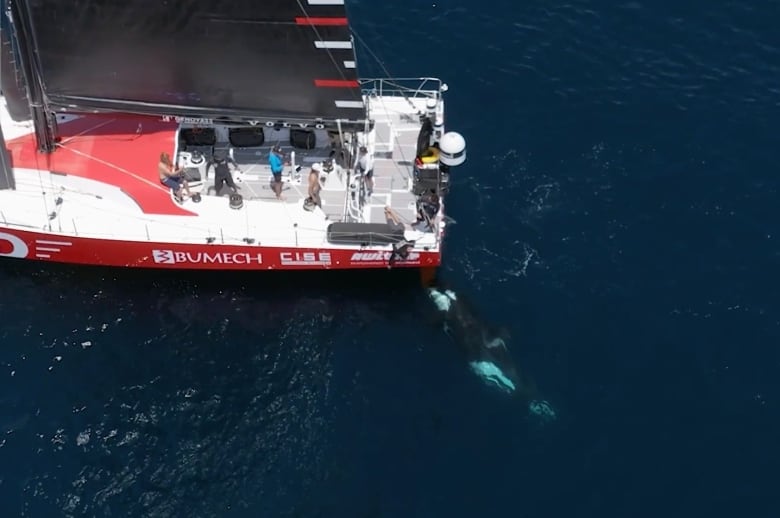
(336, 83)
(321, 21)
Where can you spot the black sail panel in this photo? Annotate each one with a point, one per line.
(280, 59)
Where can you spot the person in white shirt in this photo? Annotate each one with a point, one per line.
(365, 168)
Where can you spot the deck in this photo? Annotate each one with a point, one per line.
(102, 182)
(392, 181)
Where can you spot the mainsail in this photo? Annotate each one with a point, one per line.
(271, 59)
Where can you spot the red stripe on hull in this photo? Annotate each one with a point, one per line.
(336, 83)
(321, 21)
(42, 246)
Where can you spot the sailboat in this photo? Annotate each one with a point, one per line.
(214, 135)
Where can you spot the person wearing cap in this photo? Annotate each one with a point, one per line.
(314, 184)
(277, 166)
(365, 168)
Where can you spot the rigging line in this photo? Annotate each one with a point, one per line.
(330, 53)
(371, 52)
(97, 126)
(114, 166)
(402, 90)
(40, 183)
(43, 195)
(380, 62)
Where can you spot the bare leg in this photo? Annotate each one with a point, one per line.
(278, 189)
(393, 219)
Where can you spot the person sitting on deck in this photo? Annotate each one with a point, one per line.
(365, 168)
(172, 177)
(427, 208)
(221, 161)
(276, 161)
(314, 184)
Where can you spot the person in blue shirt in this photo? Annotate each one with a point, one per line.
(277, 166)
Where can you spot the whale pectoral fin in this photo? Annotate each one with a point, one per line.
(504, 334)
(495, 343)
(491, 341)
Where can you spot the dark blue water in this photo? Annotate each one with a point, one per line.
(618, 214)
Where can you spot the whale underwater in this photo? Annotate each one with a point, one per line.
(486, 351)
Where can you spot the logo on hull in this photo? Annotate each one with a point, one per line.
(173, 257)
(378, 257)
(19, 248)
(41, 249)
(305, 258)
(45, 247)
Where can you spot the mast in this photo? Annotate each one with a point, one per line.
(6, 172)
(45, 130)
(25, 39)
(11, 81)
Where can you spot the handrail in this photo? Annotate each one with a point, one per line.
(406, 86)
(206, 238)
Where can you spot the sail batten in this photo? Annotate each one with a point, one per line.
(277, 58)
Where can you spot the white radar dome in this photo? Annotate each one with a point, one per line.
(452, 147)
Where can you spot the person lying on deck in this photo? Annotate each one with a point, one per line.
(394, 220)
(172, 177)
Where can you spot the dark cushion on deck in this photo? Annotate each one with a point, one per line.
(365, 234)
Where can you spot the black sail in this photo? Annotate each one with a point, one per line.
(273, 59)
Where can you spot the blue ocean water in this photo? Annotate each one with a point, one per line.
(617, 215)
